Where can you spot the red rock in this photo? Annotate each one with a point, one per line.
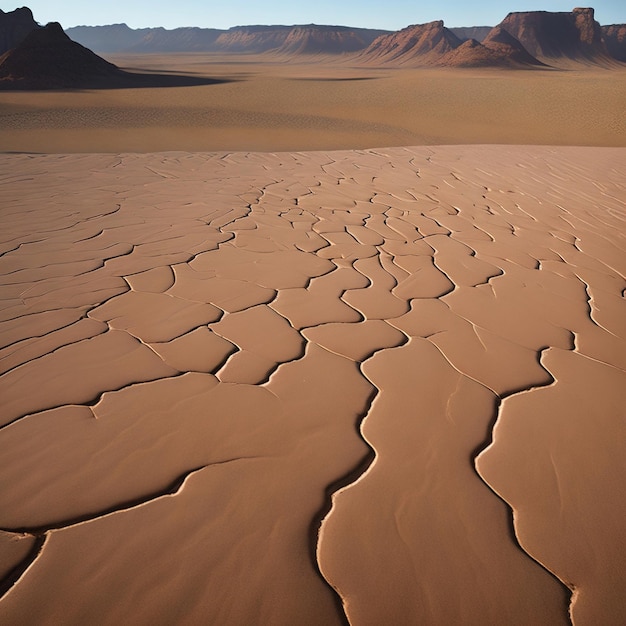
(421, 44)
(615, 40)
(549, 36)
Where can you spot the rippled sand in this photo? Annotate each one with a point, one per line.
(287, 388)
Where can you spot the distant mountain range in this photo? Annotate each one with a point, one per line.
(46, 58)
(521, 40)
(527, 39)
(308, 39)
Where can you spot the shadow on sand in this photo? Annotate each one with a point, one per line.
(119, 79)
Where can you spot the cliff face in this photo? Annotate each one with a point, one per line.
(472, 32)
(48, 59)
(547, 35)
(327, 39)
(435, 45)
(615, 39)
(508, 47)
(177, 40)
(14, 27)
(416, 45)
(522, 39)
(306, 39)
(498, 49)
(252, 38)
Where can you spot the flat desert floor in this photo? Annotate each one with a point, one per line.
(267, 104)
(246, 384)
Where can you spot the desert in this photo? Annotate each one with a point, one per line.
(314, 326)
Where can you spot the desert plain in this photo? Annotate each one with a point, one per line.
(316, 343)
(270, 103)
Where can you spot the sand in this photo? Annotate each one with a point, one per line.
(384, 386)
(322, 103)
(256, 369)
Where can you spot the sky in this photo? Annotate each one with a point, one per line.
(384, 14)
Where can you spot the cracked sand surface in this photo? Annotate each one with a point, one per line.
(286, 388)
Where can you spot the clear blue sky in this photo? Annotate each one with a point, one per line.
(387, 14)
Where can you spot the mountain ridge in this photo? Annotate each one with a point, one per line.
(239, 39)
(48, 59)
(529, 39)
(552, 35)
(14, 27)
(545, 37)
(523, 40)
(421, 43)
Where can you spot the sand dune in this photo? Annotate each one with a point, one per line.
(288, 388)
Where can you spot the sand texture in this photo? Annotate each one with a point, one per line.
(269, 103)
(384, 386)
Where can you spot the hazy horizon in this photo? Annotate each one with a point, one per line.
(392, 15)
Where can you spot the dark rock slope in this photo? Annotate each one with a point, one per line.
(48, 59)
(615, 39)
(549, 36)
(14, 26)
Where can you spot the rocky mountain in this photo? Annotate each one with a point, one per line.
(14, 26)
(615, 40)
(177, 40)
(420, 44)
(252, 38)
(549, 36)
(498, 49)
(305, 39)
(471, 32)
(121, 38)
(530, 39)
(508, 47)
(433, 44)
(313, 39)
(471, 53)
(48, 59)
(521, 40)
(111, 38)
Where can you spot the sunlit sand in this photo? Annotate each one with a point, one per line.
(258, 368)
(272, 103)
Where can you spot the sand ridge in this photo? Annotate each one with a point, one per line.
(250, 387)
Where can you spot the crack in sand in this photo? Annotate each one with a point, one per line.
(172, 489)
(490, 441)
(376, 276)
(42, 532)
